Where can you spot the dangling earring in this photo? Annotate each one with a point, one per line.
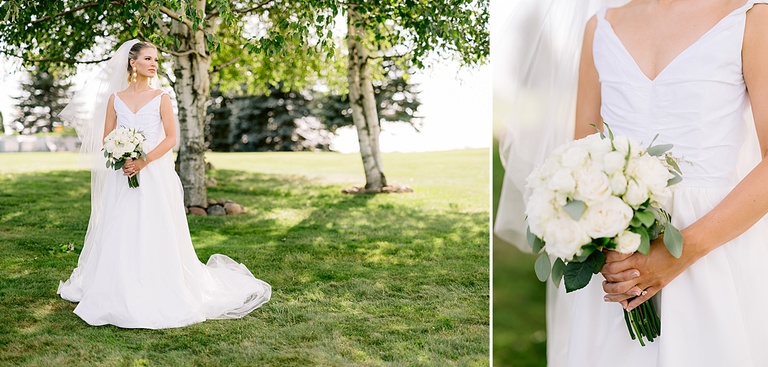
(134, 75)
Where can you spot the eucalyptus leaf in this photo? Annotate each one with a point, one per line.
(558, 268)
(119, 164)
(542, 267)
(534, 241)
(674, 180)
(647, 218)
(658, 150)
(673, 240)
(672, 162)
(575, 208)
(645, 240)
(602, 136)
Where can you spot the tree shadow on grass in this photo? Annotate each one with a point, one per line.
(355, 278)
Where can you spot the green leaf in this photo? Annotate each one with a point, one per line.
(674, 180)
(575, 208)
(599, 260)
(673, 239)
(602, 136)
(588, 250)
(119, 164)
(108, 164)
(672, 162)
(557, 272)
(578, 274)
(542, 267)
(647, 218)
(534, 241)
(660, 149)
(645, 240)
(635, 222)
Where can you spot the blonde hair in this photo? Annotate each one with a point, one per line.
(133, 54)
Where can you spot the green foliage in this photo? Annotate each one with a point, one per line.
(578, 274)
(279, 121)
(42, 99)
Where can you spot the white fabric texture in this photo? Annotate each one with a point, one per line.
(713, 313)
(141, 270)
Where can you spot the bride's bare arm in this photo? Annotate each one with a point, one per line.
(588, 95)
(169, 126)
(746, 204)
(110, 120)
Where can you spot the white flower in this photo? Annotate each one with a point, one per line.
(564, 237)
(618, 184)
(597, 146)
(562, 181)
(637, 193)
(627, 242)
(607, 218)
(575, 157)
(540, 209)
(622, 143)
(613, 162)
(592, 186)
(651, 171)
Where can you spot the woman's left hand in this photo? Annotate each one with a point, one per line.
(657, 269)
(133, 166)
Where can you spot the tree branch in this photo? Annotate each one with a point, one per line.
(64, 61)
(222, 66)
(176, 16)
(163, 28)
(75, 9)
(177, 53)
(215, 12)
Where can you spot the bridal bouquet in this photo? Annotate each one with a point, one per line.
(121, 144)
(601, 193)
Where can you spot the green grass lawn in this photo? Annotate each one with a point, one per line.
(519, 328)
(384, 280)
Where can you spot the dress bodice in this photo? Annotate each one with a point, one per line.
(696, 103)
(146, 119)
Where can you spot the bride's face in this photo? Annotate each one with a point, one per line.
(146, 63)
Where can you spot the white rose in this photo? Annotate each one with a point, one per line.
(613, 162)
(540, 210)
(661, 198)
(618, 184)
(592, 186)
(637, 193)
(652, 172)
(564, 237)
(562, 181)
(607, 218)
(575, 157)
(622, 144)
(627, 242)
(597, 146)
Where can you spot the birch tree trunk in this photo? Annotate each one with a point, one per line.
(363, 103)
(192, 89)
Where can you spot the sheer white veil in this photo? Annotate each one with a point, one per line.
(536, 61)
(86, 112)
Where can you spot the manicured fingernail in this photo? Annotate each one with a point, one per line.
(635, 274)
(637, 293)
(606, 299)
(645, 292)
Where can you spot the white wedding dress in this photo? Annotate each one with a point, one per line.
(141, 270)
(716, 312)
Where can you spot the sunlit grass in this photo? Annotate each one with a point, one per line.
(390, 280)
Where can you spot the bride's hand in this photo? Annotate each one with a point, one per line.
(133, 166)
(655, 270)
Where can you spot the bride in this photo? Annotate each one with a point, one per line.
(688, 70)
(138, 268)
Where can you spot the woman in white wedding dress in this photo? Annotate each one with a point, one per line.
(138, 268)
(688, 71)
